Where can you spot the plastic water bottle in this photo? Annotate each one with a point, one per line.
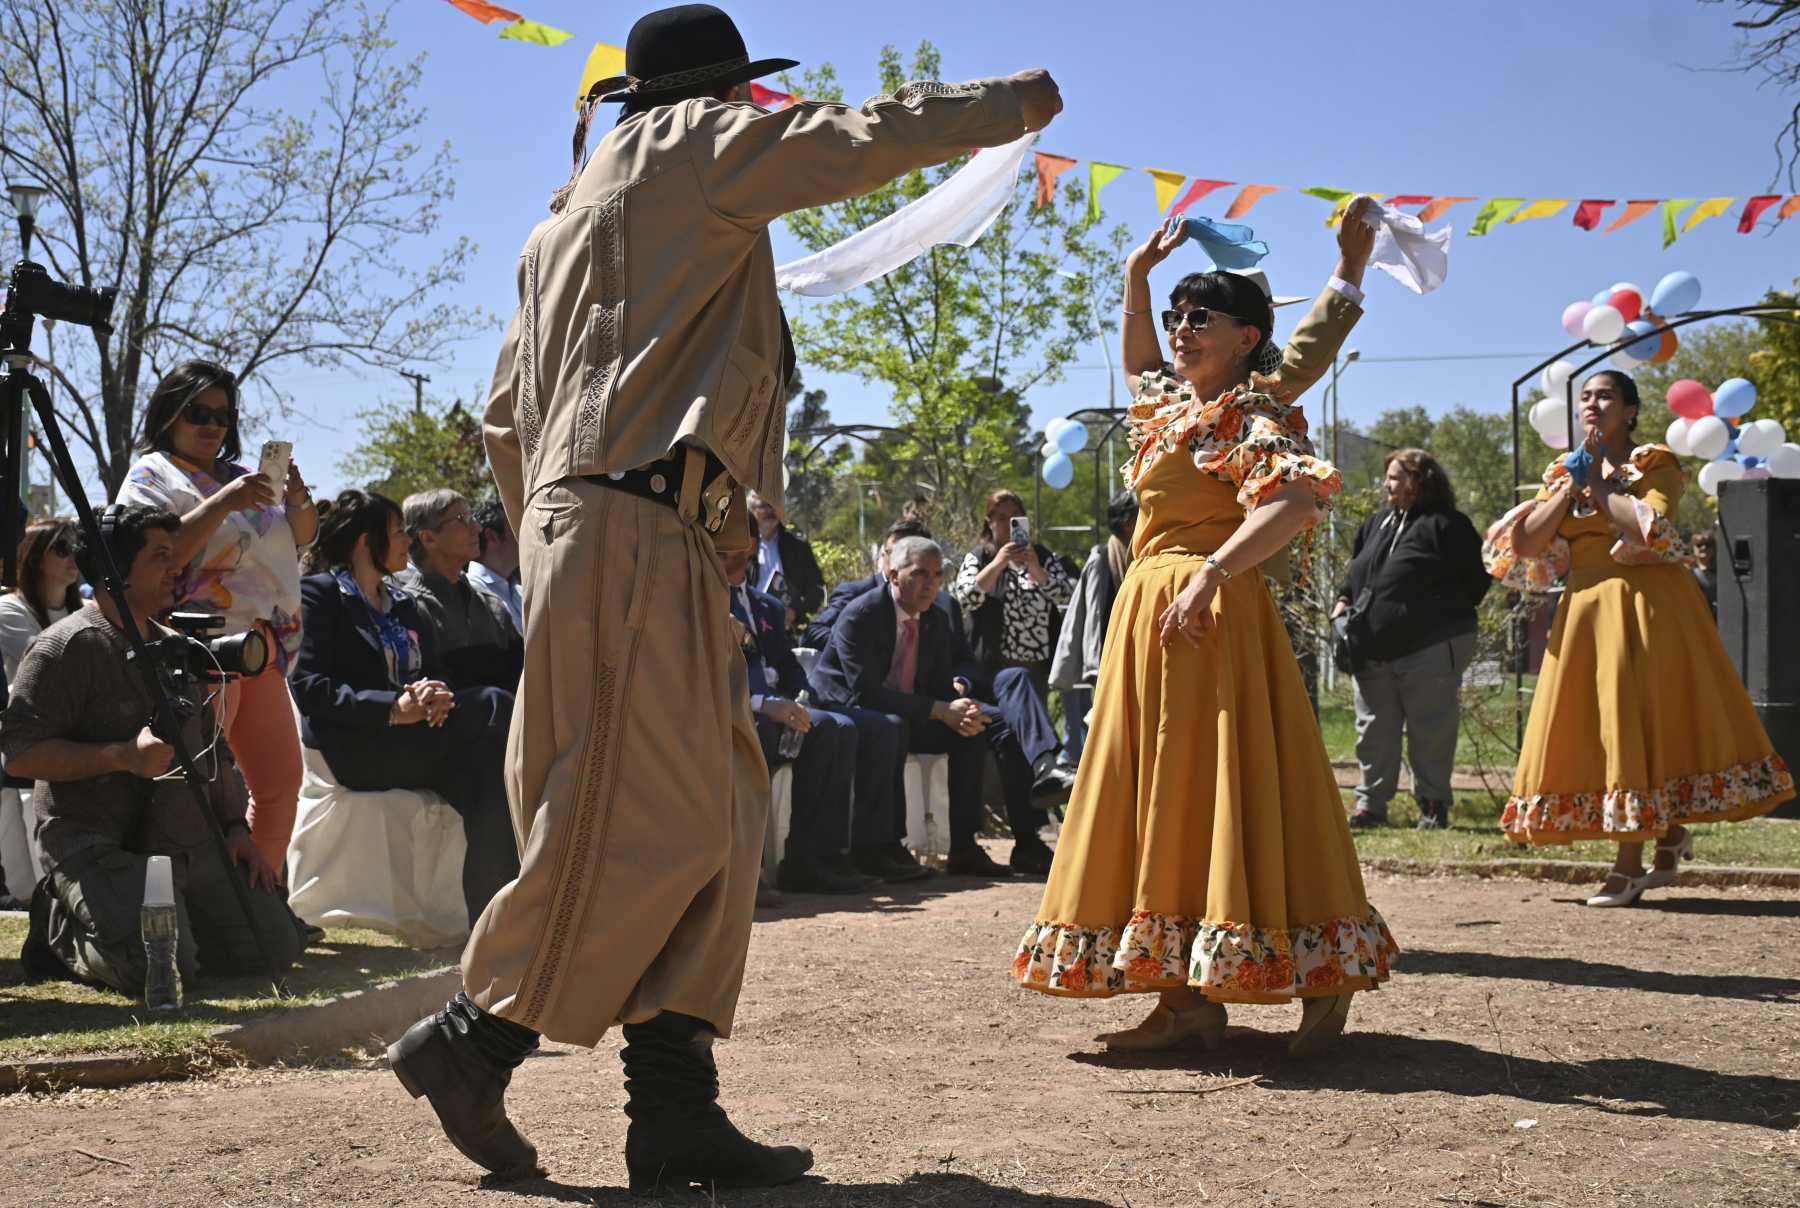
(789, 743)
(161, 931)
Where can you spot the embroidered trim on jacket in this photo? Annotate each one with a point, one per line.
(603, 327)
(530, 423)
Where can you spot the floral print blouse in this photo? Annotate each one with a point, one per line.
(1027, 611)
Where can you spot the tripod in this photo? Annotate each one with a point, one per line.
(16, 386)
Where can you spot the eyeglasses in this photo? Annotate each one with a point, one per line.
(1196, 318)
(200, 415)
(61, 548)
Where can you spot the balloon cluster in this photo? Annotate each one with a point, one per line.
(1061, 438)
(1711, 425)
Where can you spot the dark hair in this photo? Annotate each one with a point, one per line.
(987, 549)
(489, 517)
(39, 536)
(125, 529)
(1121, 514)
(342, 520)
(906, 526)
(1231, 294)
(179, 387)
(1432, 491)
(1628, 390)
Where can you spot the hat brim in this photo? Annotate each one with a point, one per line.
(726, 79)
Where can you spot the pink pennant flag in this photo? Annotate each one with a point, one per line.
(486, 13)
(1197, 190)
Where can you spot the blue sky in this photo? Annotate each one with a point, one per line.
(1534, 98)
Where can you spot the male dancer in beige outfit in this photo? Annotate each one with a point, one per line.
(637, 395)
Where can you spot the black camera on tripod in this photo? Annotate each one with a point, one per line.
(189, 652)
(33, 291)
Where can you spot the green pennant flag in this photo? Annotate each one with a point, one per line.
(535, 32)
(1672, 209)
(1334, 196)
(1099, 176)
(1496, 209)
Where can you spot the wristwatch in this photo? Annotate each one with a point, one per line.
(1212, 560)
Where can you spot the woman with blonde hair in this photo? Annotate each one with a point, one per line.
(1205, 856)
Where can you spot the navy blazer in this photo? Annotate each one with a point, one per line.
(773, 648)
(340, 677)
(962, 655)
(853, 669)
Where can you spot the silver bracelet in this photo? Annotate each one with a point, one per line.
(1212, 560)
(1129, 311)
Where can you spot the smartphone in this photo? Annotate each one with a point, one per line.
(1021, 530)
(276, 456)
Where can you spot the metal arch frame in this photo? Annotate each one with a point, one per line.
(1761, 311)
(1117, 416)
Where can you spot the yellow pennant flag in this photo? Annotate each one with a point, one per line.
(1712, 207)
(603, 63)
(1540, 209)
(1167, 185)
(1343, 207)
(1099, 176)
(536, 32)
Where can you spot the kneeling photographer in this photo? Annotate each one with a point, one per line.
(107, 797)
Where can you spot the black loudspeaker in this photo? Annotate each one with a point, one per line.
(1759, 582)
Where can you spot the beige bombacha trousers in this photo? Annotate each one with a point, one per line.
(637, 786)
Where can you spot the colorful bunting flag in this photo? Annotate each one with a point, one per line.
(603, 63)
(1049, 167)
(1408, 199)
(1496, 209)
(536, 33)
(486, 13)
(1672, 209)
(1712, 207)
(1197, 190)
(1549, 207)
(1634, 210)
(1248, 197)
(1438, 206)
(1753, 210)
(1099, 176)
(1167, 185)
(768, 98)
(1589, 213)
(1788, 209)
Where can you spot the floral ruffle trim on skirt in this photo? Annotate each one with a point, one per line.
(1225, 960)
(1743, 791)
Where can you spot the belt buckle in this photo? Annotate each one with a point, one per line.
(715, 503)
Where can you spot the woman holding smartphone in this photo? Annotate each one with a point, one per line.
(240, 543)
(1011, 590)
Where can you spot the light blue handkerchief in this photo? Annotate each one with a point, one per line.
(1230, 245)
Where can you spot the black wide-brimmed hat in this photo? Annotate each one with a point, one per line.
(677, 50)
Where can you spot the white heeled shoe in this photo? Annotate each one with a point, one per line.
(1167, 1028)
(1656, 878)
(1625, 895)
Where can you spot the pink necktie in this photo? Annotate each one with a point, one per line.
(906, 657)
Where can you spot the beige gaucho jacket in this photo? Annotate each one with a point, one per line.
(647, 309)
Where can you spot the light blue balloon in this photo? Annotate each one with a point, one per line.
(1643, 349)
(1603, 298)
(1730, 451)
(1675, 294)
(1734, 398)
(1059, 471)
(1072, 438)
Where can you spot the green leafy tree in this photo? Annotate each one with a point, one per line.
(959, 337)
(812, 481)
(408, 449)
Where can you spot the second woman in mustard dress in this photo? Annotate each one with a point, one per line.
(1205, 855)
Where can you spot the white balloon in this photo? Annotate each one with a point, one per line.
(1556, 379)
(1715, 472)
(1549, 418)
(1050, 449)
(1603, 324)
(1054, 427)
(1677, 436)
(1622, 359)
(1760, 437)
(1708, 436)
(1784, 461)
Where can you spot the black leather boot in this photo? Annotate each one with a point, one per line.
(679, 1135)
(460, 1060)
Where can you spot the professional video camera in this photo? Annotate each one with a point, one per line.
(210, 660)
(33, 291)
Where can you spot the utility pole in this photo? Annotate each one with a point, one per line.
(418, 380)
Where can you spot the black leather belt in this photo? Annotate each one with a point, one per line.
(661, 482)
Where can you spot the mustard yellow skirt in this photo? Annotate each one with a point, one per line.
(1205, 843)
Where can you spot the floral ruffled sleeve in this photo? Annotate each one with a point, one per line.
(1242, 437)
(1655, 481)
(1540, 573)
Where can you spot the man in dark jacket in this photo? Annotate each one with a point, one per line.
(783, 565)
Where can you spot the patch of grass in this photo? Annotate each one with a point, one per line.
(1489, 705)
(1474, 834)
(61, 1018)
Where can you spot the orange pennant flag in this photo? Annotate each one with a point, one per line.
(1248, 198)
(486, 13)
(1049, 167)
(1789, 208)
(1634, 210)
(1167, 185)
(1438, 206)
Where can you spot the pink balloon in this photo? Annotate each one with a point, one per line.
(1690, 400)
(1573, 315)
(1628, 303)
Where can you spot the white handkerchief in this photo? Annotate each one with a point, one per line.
(959, 211)
(1407, 252)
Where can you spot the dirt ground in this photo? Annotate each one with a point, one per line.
(1528, 1052)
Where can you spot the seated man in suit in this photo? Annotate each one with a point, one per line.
(472, 632)
(1011, 691)
(892, 651)
(837, 750)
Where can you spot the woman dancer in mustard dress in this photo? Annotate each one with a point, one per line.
(1205, 855)
(1640, 724)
